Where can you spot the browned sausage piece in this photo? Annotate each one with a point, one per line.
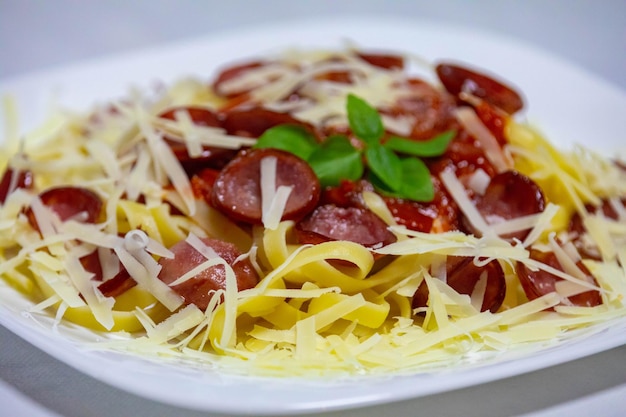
(456, 79)
(538, 283)
(68, 202)
(494, 119)
(117, 285)
(200, 116)
(197, 289)
(211, 156)
(233, 72)
(92, 264)
(414, 215)
(254, 122)
(463, 275)
(430, 109)
(386, 61)
(577, 228)
(113, 287)
(237, 189)
(24, 180)
(355, 224)
(202, 183)
(510, 195)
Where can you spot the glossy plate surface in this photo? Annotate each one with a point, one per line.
(567, 104)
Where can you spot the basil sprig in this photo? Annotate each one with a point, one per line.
(394, 166)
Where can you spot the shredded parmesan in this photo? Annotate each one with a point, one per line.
(273, 200)
(144, 269)
(470, 121)
(456, 189)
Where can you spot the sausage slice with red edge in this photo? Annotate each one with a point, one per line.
(537, 283)
(237, 189)
(12, 179)
(355, 224)
(211, 156)
(254, 122)
(509, 195)
(457, 79)
(198, 289)
(69, 202)
(462, 274)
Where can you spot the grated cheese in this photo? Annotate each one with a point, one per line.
(166, 161)
(478, 294)
(273, 199)
(470, 121)
(456, 189)
(479, 181)
(141, 267)
(100, 306)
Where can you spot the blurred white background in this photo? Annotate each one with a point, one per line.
(37, 34)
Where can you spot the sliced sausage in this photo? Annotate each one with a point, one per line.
(383, 61)
(442, 214)
(70, 202)
(211, 156)
(576, 223)
(340, 77)
(92, 264)
(117, 285)
(254, 122)
(355, 224)
(412, 214)
(577, 228)
(347, 194)
(200, 116)
(202, 183)
(457, 79)
(198, 289)
(430, 110)
(237, 189)
(463, 275)
(231, 73)
(386, 61)
(510, 195)
(540, 282)
(24, 180)
(113, 287)
(464, 155)
(494, 119)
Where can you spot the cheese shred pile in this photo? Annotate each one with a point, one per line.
(324, 309)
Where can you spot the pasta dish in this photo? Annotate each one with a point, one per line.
(314, 213)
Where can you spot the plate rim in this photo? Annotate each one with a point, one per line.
(380, 22)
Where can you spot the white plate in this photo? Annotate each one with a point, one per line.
(570, 106)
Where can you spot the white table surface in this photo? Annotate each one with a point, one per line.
(37, 35)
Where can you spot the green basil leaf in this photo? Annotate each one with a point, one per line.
(432, 147)
(290, 138)
(386, 165)
(365, 121)
(336, 159)
(379, 185)
(416, 182)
